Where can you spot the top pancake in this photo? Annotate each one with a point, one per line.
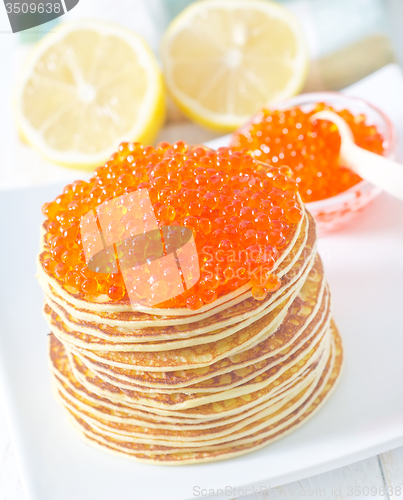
(103, 304)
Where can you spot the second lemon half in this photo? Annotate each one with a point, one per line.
(225, 59)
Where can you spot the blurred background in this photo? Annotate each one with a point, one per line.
(347, 40)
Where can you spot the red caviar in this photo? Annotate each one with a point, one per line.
(242, 214)
(310, 149)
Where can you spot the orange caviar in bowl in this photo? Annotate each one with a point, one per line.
(242, 213)
(310, 148)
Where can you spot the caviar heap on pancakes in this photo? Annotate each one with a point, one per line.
(242, 214)
(310, 148)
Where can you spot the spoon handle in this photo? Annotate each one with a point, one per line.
(384, 173)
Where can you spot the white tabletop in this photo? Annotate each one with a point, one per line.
(378, 477)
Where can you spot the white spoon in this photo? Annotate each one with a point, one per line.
(378, 170)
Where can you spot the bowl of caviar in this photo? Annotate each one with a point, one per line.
(285, 135)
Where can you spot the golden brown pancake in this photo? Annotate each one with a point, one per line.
(270, 427)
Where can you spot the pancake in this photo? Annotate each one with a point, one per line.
(175, 386)
(104, 304)
(273, 431)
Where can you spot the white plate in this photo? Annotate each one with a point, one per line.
(364, 416)
(364, 265)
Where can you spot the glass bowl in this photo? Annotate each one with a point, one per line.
(336, 211)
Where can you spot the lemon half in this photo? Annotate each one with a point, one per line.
(86, 87)
(226, 59)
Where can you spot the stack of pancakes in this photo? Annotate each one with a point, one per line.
(175, 386)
